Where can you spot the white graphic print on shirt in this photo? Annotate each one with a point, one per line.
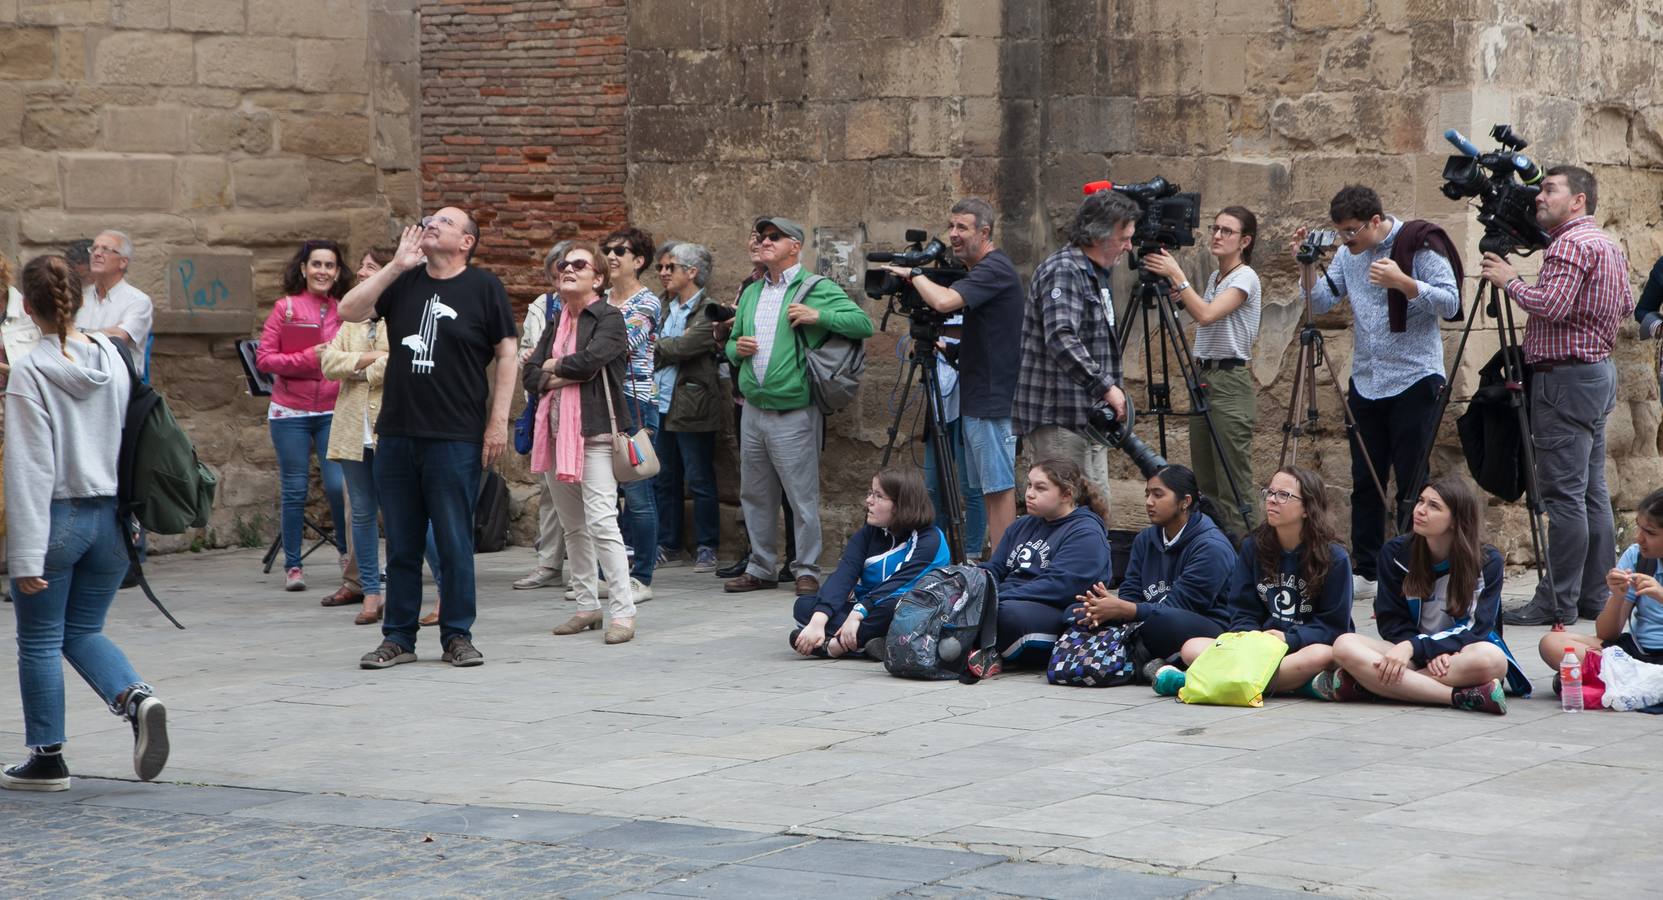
(1031, 556)
(1284, 597)
(422, 342)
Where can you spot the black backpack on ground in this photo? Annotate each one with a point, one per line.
(490, 516)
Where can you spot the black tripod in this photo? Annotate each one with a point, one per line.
(1499, 308)
(306, 524)
(921, 367)
(1150, 297)
(1305, 383)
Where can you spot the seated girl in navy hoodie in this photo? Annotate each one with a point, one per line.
(1177, 582)
(1048, 559)
(1292, 580)
(895, 547)
(1633, 616)
(1437, 610)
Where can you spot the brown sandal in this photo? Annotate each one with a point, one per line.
(343, 597)
(429, 620)
(367, 618)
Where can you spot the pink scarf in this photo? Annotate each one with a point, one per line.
(562, 447)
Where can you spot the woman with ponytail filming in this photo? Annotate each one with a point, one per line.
(65, 403)
(1047, 560)
(1292, 580)
(1437, 609)
(1177, 582)
(896, 546)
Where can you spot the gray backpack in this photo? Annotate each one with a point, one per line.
(834, 368)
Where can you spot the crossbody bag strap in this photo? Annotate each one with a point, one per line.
(606, 388)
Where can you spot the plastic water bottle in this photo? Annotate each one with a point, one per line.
(1570, 682)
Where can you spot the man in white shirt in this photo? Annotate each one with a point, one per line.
(109, 304)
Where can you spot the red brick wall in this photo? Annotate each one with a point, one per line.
(523, 123)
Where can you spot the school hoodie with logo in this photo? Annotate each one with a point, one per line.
(63, 434)
(1051, 562)
(1191, 573)
(1425, 622)
(1282, 601)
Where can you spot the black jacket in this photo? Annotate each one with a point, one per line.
(602, 343)
(1490, 436)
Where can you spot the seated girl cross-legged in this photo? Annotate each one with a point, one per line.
(1292, 580)
(896, 546)
(1437, 609)
(1047, 559)
(1633, 617)
(1177, 581)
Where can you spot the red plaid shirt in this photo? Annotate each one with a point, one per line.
(1579, 299)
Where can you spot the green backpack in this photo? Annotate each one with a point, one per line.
(159, 481)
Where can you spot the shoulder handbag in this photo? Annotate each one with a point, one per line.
(633, 458)
(525, 427)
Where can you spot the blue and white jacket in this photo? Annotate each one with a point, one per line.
(1398, 617)
(878, 567)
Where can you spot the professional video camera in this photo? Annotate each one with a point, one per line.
(1169, 217)
(1506, 195)
(903, 297)
(1104, 427)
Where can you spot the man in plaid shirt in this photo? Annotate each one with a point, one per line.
(1576, 305)
(1070, 360)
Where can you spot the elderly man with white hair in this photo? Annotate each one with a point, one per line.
(109, 303)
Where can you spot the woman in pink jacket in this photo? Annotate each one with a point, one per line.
(303, 401)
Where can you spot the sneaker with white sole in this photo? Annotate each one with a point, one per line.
(539, 577)
(1362, 588)
(639, 592)
(294, 579)
(150, 744)
(44, 770)
(705, 561)
(669, 560)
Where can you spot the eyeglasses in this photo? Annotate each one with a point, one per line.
(615, 250)
(428, 221)
(575, 265)
(1223, 231)
(104, 251)
(1278, 496)
(876, 495)
(1347, 234)
(772, 237)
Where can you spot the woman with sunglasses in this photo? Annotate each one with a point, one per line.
(299, 328)
(577, 375)
(1227, 311)
(629, 251)
(1292, 580)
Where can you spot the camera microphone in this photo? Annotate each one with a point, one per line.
(880, 256)
(1461, 143)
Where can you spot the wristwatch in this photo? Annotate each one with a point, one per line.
(1181, 288)
(916, 272)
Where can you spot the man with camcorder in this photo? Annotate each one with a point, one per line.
(1579, 300)
(1070, 361)
(1401, 278)
(991, 299)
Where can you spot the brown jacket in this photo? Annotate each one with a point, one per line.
(697, 400)
(360, 388)
(602, 342)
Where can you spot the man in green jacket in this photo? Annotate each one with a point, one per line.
(779, 436)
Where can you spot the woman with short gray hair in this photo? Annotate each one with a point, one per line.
(690, 399)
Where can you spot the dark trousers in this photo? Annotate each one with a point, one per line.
(875, 625)
(421, 481)
(1166, 629)
(1396, 431)
(1028, 630)
(687, 459)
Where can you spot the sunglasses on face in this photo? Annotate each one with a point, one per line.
(772, 237)
(575, 265)
(616, 250)
(668, 267)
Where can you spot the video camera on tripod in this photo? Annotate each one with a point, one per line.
(1168, 220)
(903, 297)
(1506, 183)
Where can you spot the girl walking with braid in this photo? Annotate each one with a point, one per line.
(65, 403)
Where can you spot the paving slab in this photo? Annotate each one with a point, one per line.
(1072, 882)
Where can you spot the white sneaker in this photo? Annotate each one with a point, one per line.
(641, 593)
(1362, 588)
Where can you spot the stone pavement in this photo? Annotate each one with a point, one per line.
(708, 719)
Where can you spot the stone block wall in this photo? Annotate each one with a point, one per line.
(208, 126)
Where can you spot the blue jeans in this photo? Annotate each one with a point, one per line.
(85, 562)
(690, 457)
(639, 521)
(296, 439)
(421, 481)
(975, 514)
(366, 533)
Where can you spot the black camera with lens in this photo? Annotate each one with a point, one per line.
(1104, 427)
(1168, 219)
(1506, 184)
(1316, 243)
(929, 258)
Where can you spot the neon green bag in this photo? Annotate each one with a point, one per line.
(1235, 670)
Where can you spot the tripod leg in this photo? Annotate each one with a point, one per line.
(1440, 406)
(1291, 429)
(1513, 366)
(1357, 439)
(946, 464)
(1173, 332)
(901, 406)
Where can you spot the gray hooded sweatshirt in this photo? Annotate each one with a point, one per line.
(63, 435)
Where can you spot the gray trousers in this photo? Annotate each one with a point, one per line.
(1052, 441)
(1568, 409)
(780, 451)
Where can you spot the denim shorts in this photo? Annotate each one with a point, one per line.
(990, 452)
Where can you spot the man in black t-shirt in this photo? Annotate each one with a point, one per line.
(989, 353)
(441, 421)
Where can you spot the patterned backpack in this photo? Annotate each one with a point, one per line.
(1095, 657)
(945, 627)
